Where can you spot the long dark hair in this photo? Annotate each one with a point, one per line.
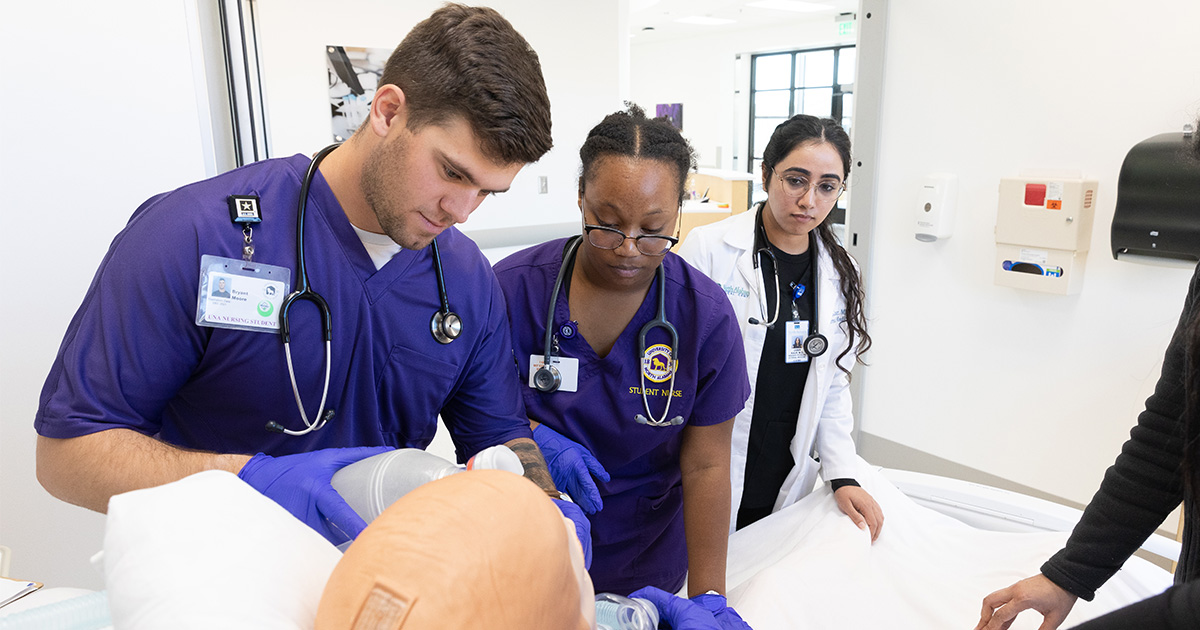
(790, 134)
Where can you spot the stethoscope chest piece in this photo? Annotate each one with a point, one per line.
(816, 345)
(547, 379)
(446, 326)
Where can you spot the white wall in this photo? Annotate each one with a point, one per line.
(1036, 388)
(102, 110)
(99, 112)
(703, 73)
(576, 44)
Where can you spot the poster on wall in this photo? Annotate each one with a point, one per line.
(673, 112)
(353, 77)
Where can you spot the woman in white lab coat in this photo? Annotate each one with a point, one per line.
(799, 349)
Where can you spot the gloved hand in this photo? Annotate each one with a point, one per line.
(300, 483)
(727, 618)
(583, 528)
(571, 467)
(679, 613)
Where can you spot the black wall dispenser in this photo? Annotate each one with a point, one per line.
(1158, 200)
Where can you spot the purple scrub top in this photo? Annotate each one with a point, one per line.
(638, 538)
(133, 356)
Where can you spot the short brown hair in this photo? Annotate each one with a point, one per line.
(471, 62)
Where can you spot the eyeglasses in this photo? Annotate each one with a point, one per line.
(612, 238)
(827, 192)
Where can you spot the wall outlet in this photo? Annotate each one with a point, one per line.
(543, 185)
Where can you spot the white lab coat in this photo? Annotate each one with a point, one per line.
(724, 251)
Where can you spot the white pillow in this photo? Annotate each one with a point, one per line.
(209, 551)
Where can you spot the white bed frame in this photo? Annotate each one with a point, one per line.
(989, 508)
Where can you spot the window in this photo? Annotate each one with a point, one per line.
(817, 82)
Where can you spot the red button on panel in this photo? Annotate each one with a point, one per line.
(1035, 194)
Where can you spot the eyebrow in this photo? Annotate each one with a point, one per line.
(615, 208)
(462, 170)
(808, 173)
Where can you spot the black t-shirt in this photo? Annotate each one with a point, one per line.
(779, 385)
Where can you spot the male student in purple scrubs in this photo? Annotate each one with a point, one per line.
(154, 381)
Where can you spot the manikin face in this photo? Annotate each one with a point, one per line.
(636, 196)
(420, 183)
(819, 164)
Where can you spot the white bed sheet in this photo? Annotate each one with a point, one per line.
(809, 567)
(806, 567)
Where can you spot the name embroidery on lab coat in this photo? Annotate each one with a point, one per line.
(733, 291)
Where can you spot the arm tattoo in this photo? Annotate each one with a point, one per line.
(535, 465)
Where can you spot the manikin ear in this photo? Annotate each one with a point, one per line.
(388, 109)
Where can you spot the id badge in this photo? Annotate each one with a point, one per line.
(240, 295)
(794, 335)
(568, 368)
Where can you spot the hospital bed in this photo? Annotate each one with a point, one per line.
(945, 544)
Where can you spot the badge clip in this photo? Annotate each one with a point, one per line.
(244, 211)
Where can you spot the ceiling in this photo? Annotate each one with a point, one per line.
(657, 18)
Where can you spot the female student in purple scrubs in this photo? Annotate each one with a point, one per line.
(637, 428)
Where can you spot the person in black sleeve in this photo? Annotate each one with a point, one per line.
(1158, 467)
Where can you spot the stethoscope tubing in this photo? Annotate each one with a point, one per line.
(447, 325)
(304, 291)
(815, 344)
(659, 321)
(547, 378)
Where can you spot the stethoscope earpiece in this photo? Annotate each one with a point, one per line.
(676, 421)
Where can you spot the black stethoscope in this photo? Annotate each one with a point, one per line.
(815, 344)
(446, 325)
(548, 379)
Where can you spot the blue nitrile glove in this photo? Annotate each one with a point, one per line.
(300, 483)
(679, 613)
(571, 467)
(583, 528)
(727, 618)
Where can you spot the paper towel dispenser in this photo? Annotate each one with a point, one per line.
(1158, 200)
